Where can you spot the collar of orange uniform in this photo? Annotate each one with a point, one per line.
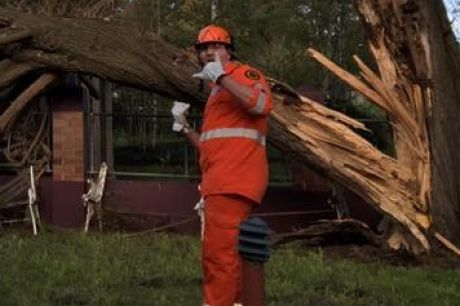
(229, 68)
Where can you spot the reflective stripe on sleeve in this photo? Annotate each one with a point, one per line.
(233, 132)
(260, 105)
(261, 101)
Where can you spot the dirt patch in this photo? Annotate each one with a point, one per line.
(353, 240)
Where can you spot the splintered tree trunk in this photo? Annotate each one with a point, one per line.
(417, 84)
(419, 70)
(320, 137)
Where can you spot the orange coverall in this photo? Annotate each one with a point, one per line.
(234, 170)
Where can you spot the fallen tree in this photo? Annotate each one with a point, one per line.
(405, 87)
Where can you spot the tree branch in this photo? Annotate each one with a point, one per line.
(11, 71)
(8, 116)
(349, 79)
(8, 36)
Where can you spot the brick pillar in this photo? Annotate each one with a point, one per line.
(68, 142)
(66, 209)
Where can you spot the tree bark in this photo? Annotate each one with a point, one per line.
(318, 136)
(109, 49)
(443, 122)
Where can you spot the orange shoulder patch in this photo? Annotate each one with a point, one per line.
(252, 75)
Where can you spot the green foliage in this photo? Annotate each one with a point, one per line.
(272, 35)
(72, 269)
(176, 21)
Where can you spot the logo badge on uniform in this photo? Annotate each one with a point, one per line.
(252, 75)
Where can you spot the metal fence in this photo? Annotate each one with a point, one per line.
(143, 146)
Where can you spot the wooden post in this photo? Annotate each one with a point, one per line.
(252, 283)
(254, 242)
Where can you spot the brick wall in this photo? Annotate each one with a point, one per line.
(68, 137)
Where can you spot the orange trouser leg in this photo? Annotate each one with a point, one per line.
(221, 261)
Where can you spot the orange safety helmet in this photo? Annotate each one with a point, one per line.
(214, 34)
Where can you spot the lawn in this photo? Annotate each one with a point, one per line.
(68, 268)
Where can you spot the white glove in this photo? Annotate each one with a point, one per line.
(211, 71)
(179, 110)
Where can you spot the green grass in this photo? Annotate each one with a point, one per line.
(72, 269)
(297, 277)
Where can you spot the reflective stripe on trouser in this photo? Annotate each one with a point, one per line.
(221, 261)
(233, 132)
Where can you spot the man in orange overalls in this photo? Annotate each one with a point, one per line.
(233, 158)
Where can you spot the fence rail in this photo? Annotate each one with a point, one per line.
(145, 147)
